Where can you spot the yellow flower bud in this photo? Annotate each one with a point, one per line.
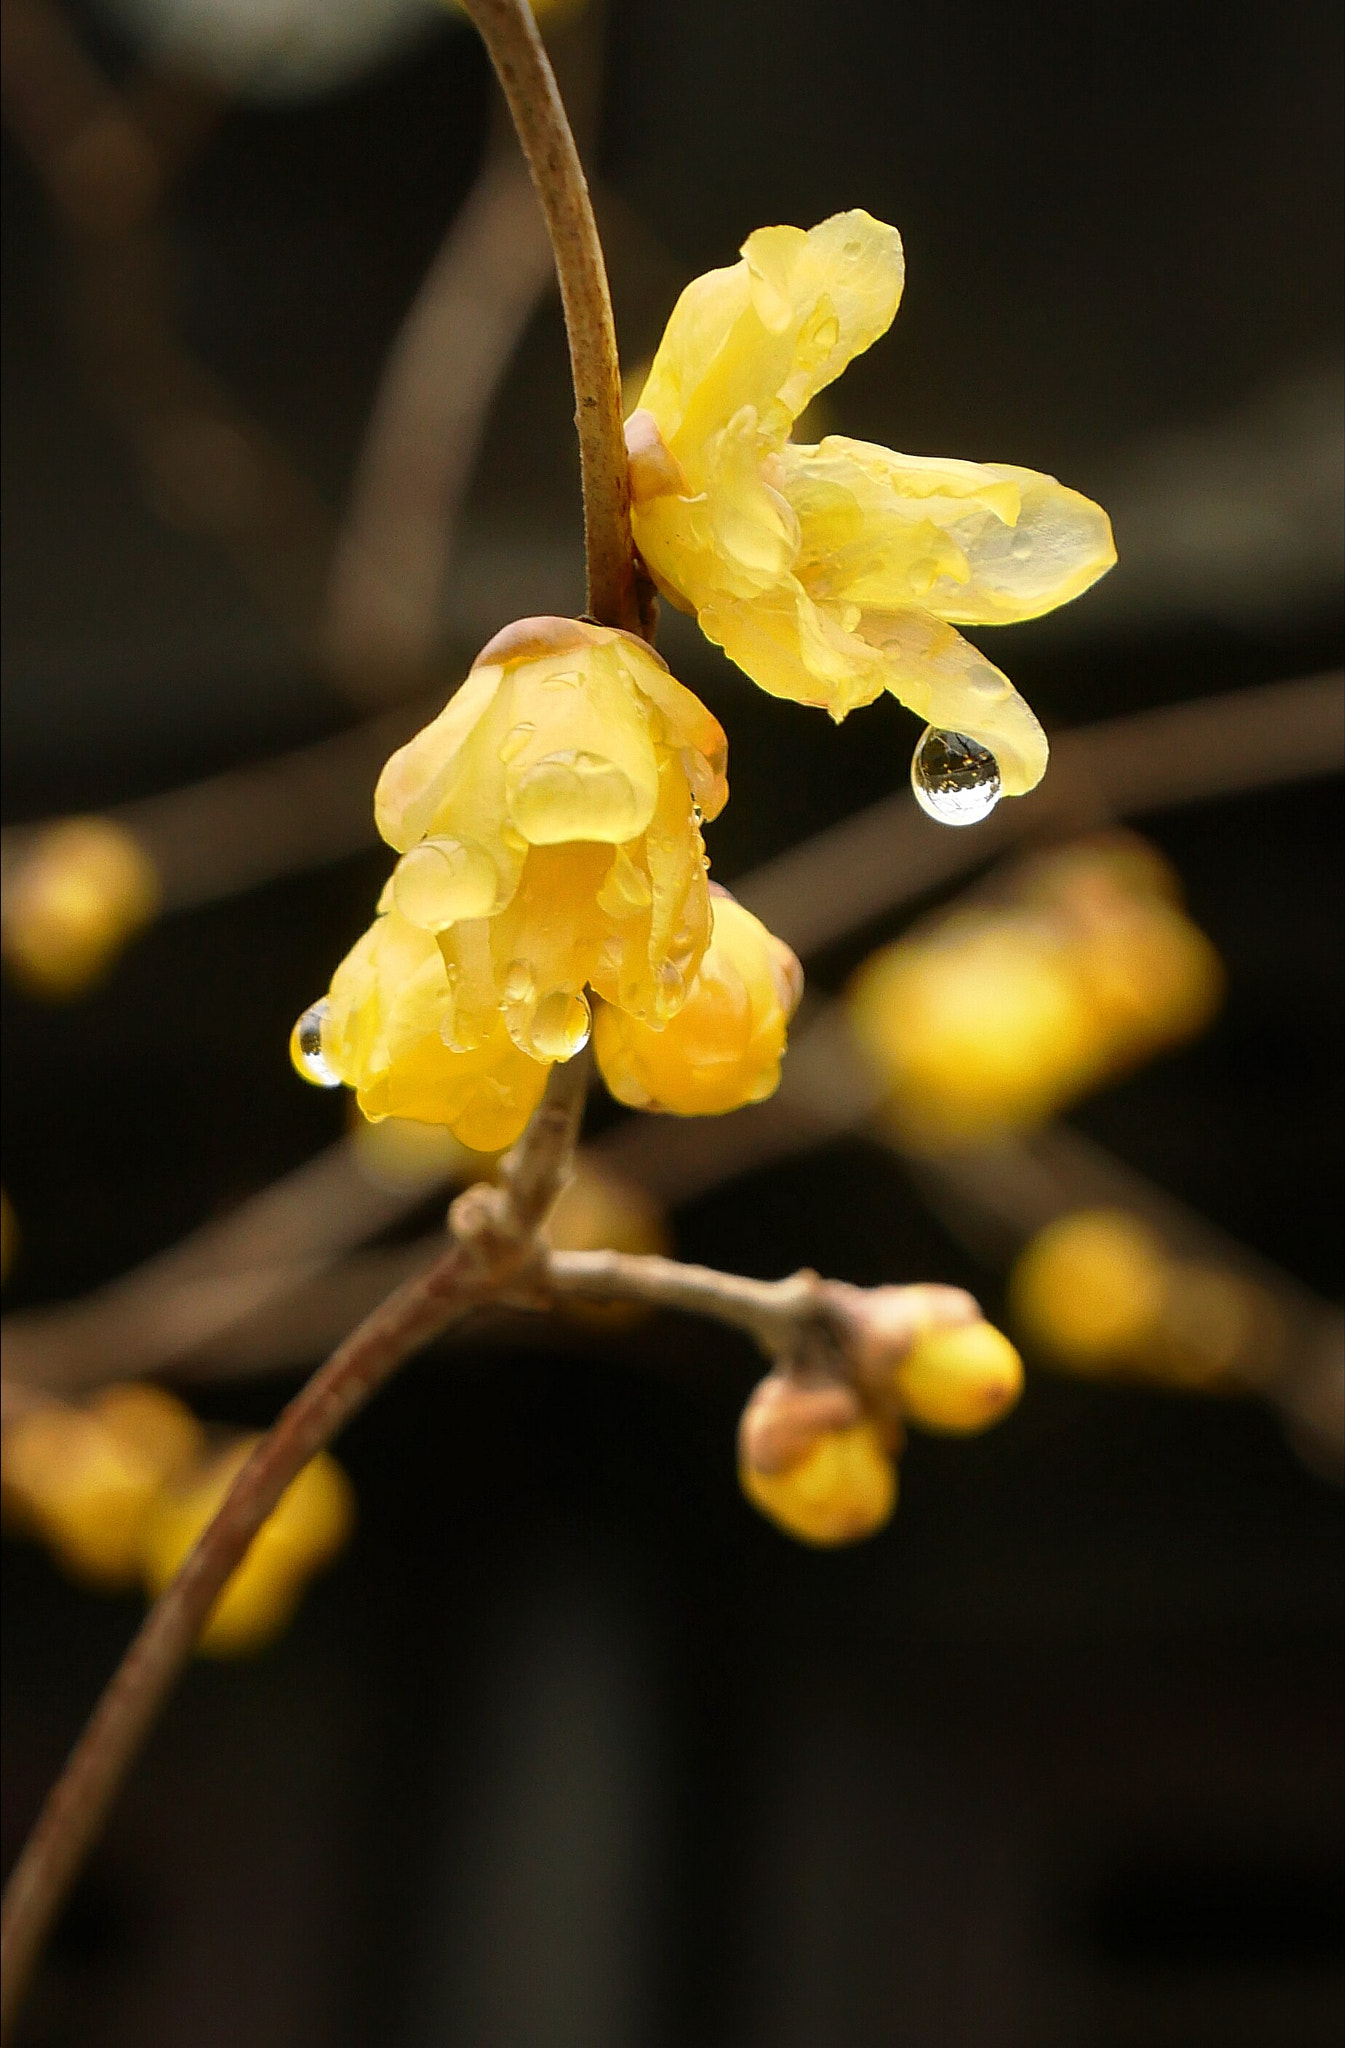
(600, 1210)
(308, 1526)
(841, 1490)
(83, 889)
(831, 573)
(959, 1379)
(724, 1046)
(1089, 1289)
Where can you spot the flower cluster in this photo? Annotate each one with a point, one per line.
(832, 573)
(817, 1454)
(996, 1015)
(548, 823)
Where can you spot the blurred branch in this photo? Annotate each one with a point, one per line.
(1148, 761)
(307, 808)
(107, 160)
(389, 568)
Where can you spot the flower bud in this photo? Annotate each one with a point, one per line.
(959, 1379)
(813, 1464)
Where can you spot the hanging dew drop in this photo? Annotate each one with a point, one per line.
(306, 1048)
(955, 779)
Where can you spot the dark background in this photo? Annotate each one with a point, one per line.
(571, 1748)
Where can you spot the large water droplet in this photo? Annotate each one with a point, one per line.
(441, 882)
(561, 1025)
(306, 1048)
(955, 779)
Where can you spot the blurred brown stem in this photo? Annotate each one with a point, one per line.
(493, 1238)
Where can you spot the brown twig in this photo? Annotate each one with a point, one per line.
(493, 1239)
(516, 50)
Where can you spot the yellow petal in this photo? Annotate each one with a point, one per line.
(580, 759)
(934, 672)
(975, 543)
(773, 329)
(724, 1045)
(793, 648)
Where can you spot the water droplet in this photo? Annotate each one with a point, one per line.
(561, 1025)
(625, 888)
(306, 1048)
(519, 986)
(955, 779)
(441, 882)
(515, 740)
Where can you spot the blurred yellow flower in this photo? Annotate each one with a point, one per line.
(1099, 1294)
(308, 1526)
(84, 1480)
(832, 573)
(724, 1047)
(83, 889)
(992, 1017)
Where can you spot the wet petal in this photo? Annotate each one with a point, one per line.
(974, 543)
(949, 683)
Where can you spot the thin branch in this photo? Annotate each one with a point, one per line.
(769, 1311)
(524, 70)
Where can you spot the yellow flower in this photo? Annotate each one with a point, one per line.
(549, 826)
(832, 573)
(993, 1017)
(81, 893)
(86, 1479)
(381, 1031)
(724, 1046)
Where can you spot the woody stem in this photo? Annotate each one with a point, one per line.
(524, 70)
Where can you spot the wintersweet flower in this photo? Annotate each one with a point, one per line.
(549, 827)
(832, 573)
(724, 1046)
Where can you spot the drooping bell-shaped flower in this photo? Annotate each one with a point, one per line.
(832, 573)
(549, 826)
